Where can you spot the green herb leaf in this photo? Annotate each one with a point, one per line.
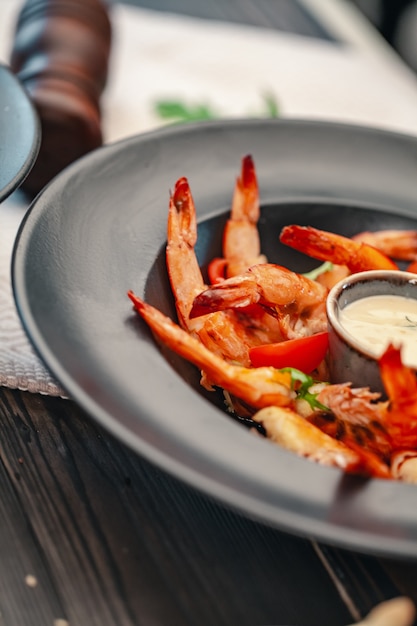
(179, 111)
(176, 110)
(303, 391)
(411, 323)
(327, 266)
(272, 109)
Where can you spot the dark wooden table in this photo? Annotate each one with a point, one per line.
(93, 535)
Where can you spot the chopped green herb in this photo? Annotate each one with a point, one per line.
(411, 323)
(176, 110)
(271, 104)
(327, 266)
(303, 391)
(179, 111)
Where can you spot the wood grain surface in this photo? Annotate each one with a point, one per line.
(93, 535)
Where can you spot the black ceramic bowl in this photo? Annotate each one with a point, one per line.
(99, 229)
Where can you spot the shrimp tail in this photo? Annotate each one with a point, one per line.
(400, 384)
(246, 195)
(399, 381)
(181, 203)
(241, 242)
(183, 269)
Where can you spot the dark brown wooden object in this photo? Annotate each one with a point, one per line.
(60, 53)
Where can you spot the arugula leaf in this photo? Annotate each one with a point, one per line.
(303, 391)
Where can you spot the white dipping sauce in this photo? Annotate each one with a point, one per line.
(376, 321)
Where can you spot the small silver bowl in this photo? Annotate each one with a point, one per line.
(349, 359)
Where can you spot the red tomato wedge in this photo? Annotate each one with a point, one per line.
(216, 270)
(304, 354)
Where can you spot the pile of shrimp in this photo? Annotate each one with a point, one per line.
(257, 303)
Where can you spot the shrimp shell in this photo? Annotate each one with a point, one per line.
(289, 430)
(241, 241)
(400, 384)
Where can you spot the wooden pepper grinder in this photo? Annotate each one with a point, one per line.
(60, 53)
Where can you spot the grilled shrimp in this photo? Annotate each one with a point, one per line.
(182, 265)
(359, 416)
(373, 432)
(241, 242)
(325, 246)
(265, 389)
(296, 301)
(226, 333)
(385, 428)
(397, 244)
(261, 303)
(286, 428)
(258, 387)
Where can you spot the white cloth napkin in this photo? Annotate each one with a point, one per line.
(228, 67)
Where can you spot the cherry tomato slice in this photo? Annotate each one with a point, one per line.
(304, 354)
(216, 270)
(412, 267)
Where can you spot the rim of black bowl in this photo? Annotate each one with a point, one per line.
(20, 133)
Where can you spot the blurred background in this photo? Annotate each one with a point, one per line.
(396, 20)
